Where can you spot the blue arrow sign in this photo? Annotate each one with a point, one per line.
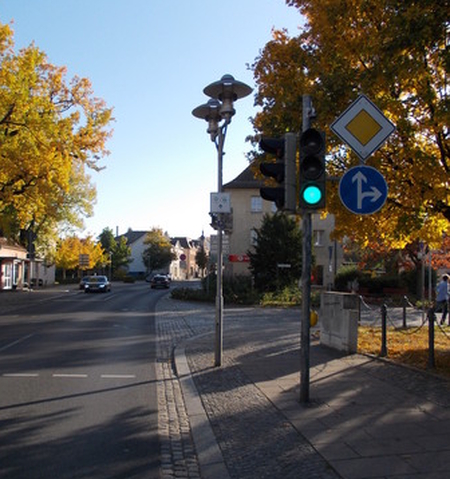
(363, 190)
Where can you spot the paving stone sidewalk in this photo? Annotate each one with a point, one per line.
(366, 419)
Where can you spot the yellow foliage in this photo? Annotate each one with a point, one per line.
(51, 131)
(395, 52)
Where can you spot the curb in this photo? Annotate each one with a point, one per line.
(211, 462)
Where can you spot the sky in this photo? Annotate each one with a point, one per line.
(150, 60)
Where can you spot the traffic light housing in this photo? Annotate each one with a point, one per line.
(312, 170)
(283, 171)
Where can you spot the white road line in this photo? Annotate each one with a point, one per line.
(118, 376)
(20, 375)
(4, 348)
(69, 375)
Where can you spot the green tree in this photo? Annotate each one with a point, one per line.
(158, 254)
(396, 52)
(201, 258)
(278, 241)
(118, 251)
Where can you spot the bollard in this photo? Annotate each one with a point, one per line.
(431, 319)
(405, 302)
(383, 352)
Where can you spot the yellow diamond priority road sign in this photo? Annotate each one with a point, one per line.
(363, 127)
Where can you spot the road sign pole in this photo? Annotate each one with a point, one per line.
(308, 113)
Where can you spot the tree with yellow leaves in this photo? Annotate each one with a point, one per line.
(67, 256)
(397, 52)
(52, 132)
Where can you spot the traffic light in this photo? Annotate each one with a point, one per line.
(312, 170)
(283, 171)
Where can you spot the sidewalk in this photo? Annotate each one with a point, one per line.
(366, 418)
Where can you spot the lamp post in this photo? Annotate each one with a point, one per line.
(218, 112)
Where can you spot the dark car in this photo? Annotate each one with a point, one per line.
(160, 281)
(83, 282)
(97, 284)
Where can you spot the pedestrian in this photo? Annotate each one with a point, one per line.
(442, 297)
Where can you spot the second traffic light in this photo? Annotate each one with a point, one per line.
(283, 171)
(312, 170)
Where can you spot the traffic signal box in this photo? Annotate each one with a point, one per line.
(312, 170)
(283, 171)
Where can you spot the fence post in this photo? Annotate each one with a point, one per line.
(405, 301)
(383, 352)
(431, 320)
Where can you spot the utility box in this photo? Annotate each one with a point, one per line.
(339, 315)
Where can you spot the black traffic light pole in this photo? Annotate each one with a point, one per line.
(308, 113)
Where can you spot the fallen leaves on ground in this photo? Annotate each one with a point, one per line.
(409, 346)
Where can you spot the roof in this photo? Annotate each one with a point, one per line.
(133, 236)
(245, 180)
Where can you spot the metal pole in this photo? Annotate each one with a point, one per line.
(383, 352)
(431, 321)
(219, 283)
(306, 300)
(306, 280)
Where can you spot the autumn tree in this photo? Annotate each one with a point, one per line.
(397, 53)
(53, 131)
(67, 256)
(158, 254)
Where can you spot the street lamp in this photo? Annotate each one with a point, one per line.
(218, 112)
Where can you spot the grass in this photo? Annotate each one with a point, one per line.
(409, 347)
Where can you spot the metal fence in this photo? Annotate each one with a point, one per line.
(407, 319)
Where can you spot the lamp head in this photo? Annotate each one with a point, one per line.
(227, 90)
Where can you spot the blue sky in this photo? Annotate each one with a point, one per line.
(150, 60)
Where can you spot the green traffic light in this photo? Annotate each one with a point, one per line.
(312, 194)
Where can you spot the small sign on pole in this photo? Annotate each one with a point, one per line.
(83, 260)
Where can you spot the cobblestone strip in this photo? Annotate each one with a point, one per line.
(178, 455)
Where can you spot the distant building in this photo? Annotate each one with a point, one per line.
(248, 209)
(182, 267)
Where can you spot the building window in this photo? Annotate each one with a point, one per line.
(256, 206)
(318, 237)
(253, 238)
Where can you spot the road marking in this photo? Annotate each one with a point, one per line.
(69, 375)
(4, 348)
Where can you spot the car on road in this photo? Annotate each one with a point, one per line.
(97, 284)
(83, 282)
(160, 281)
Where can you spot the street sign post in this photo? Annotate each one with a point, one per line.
(363, 190)
(363, 127)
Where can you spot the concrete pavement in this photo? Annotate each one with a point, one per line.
(366, 418)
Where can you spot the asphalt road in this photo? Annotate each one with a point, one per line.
(78, 387)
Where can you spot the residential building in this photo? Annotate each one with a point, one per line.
(248, 209)
(182, 267)
(135, 240)
(17, 271)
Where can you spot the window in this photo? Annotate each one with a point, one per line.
(318, 237)
(256, 205)
(253, 237)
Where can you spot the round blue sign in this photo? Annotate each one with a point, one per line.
(363, 190)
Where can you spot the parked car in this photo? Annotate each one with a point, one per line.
(97, 284)
(160, 281)
(83, 282)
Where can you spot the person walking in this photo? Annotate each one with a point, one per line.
(442, 297)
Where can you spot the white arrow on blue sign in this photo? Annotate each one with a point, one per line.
(363, 190)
